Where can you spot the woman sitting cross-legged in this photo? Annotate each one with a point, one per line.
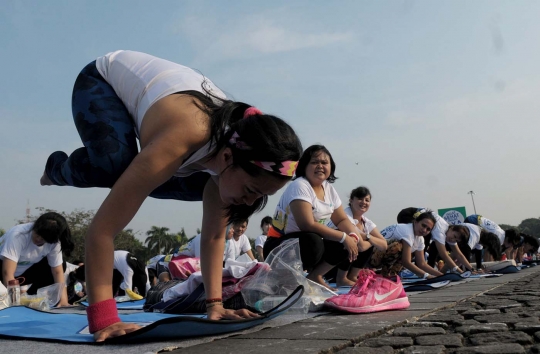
(303, 211)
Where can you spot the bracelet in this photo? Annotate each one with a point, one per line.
(101, 315)
(343, 238)
(217, 299)
(352, 234)
(214, 304)
(426, 275)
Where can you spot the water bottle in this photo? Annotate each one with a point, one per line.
(14, 292)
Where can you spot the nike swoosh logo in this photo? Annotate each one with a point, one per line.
(380, 297)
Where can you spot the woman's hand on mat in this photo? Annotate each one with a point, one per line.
(351, 246)
(115, 330)
(219, 313)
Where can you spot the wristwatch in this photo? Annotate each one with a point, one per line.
(368, 236)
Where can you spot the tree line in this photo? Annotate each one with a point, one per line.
(529, 226)
(158, 239)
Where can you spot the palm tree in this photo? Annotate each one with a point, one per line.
(180, 239)
(159, 239)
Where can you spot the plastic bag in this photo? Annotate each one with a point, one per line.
(35, 302)
(53, 293)
(3, 297)
(270, 285)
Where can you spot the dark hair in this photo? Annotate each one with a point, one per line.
(151, 275)
(513, 237)
(360, 193)
(267, 138)
(406, 216)
(531, 240)
(426, 215)
(53, 227)
(306, 157)
(240, 221)
(491, 243)
(266, 220)
(463, 232)
(79, 273)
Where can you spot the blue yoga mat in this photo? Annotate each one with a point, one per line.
(507, 270)
(448, 276)
(425, 287)
(126, 305)
(25, 323)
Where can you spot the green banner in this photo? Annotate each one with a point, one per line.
(453, 216)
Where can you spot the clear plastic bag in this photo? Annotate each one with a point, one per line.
(53, 293)
(4, 301)
(35, 302)
(271, 285)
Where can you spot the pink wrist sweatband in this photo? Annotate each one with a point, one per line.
(101, 315)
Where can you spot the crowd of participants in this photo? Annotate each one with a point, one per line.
(153, 128)
(336, 241)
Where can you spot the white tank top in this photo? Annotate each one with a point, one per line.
(140, 80)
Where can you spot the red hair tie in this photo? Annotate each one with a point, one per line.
(251, 111)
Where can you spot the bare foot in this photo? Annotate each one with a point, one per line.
(45, 180)
(319, 280)
(344, 282)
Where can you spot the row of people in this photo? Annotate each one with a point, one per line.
(196, 145)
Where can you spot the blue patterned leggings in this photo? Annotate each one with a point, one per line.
(108, 134)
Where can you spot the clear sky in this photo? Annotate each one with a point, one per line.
(420, 101)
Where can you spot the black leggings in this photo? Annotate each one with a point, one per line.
(360, 262)
(110, 144)
(39, 275)
(313, 249)
(465, 249)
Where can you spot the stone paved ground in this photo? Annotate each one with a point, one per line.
(503, 320)
(462, 318)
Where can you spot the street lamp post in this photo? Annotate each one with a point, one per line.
(472, 193)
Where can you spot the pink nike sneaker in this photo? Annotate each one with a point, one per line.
(371, 293)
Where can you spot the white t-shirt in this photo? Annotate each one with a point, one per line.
(260, 240)
(474, 238)
(439, 230)
(17, 246)
(69, 268)
(121, 265)
(193, 249)
(300, 189)
(491, 226)
(368, 224)
(404, 232)
(240, 246)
